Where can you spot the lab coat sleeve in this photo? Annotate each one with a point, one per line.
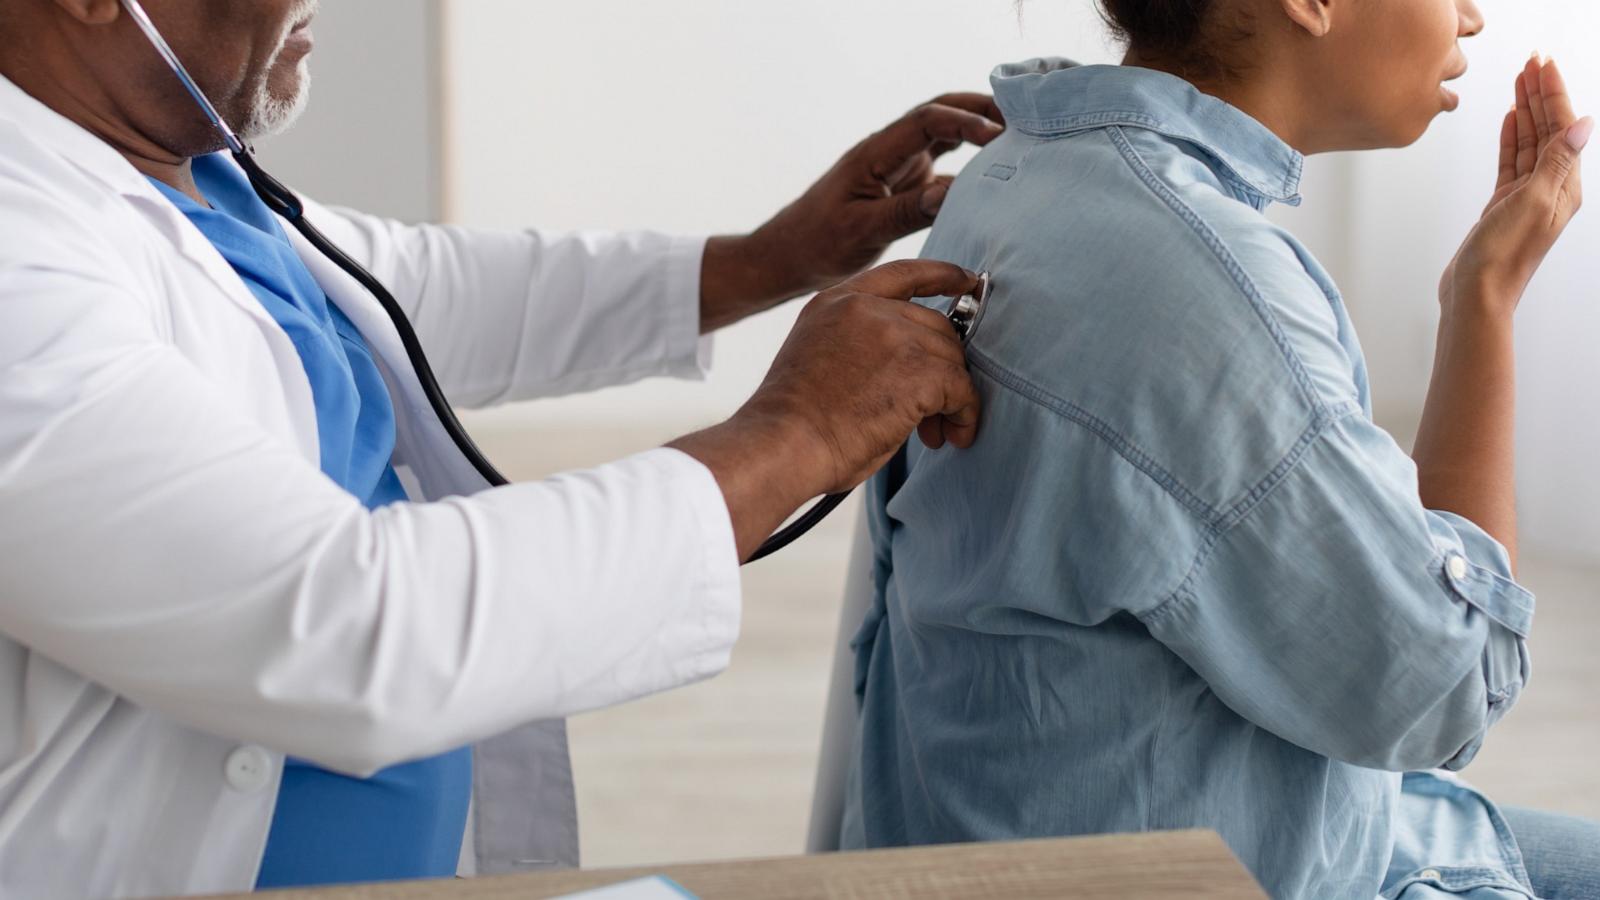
(516, 315)
(263, 603)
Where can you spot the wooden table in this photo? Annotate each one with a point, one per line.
(1186, 864)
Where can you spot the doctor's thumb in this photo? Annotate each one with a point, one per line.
(915, 210)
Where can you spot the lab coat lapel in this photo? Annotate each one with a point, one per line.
(423, 449)
(97, 160)
(524, 807)
(199, 252)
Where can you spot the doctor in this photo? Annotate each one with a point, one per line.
(260, 622)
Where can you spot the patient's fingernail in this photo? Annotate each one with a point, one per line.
(933, 199)
(1580, 132)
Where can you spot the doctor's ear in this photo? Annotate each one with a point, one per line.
(1315, 16)
(91, 12)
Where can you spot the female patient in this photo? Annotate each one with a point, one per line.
(1183, 580)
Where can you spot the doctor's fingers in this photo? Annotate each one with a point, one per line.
(954, 400)
(982, 104)
(933, 128)
(907, 278)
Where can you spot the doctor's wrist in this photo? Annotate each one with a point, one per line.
(742, 275)
(766, 465)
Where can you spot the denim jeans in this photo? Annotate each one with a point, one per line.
(1562, 853)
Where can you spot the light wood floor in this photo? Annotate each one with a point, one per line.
(724, 769)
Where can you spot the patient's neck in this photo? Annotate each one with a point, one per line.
(1271, 100)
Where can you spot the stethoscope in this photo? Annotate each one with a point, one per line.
(964, 312)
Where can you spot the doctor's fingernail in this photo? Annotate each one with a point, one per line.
(1580, 132)
(933, 199)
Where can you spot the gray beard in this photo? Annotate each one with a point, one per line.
(270, 116)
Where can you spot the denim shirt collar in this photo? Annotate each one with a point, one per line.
(1055, 97)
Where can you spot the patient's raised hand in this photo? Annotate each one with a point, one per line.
(1537, 193)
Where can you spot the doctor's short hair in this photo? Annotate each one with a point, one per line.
(1195, 37)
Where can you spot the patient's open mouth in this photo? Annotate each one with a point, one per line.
(1451, 99)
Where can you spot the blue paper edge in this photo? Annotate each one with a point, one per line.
(677, 887)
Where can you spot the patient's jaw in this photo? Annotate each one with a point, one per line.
(1324, 75)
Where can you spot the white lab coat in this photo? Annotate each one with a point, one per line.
(185, 598)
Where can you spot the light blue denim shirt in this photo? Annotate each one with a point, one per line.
(1182, 580)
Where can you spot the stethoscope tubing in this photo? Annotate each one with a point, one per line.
(965, 313)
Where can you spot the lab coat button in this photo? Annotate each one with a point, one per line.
(248, 769)
(1458, 567)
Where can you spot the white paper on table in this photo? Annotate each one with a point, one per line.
(657, 888)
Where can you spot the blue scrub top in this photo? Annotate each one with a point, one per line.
(406, 821)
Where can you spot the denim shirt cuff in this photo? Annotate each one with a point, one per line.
(1478, 569)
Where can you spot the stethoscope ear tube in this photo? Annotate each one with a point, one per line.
(282, 201)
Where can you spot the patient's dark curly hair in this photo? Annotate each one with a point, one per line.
(1193, 36)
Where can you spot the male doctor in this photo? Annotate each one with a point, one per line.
(260, 622)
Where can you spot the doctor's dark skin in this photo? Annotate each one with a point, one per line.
(862, 369)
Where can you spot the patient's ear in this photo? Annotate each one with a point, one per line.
(92, 12)
(1315, 16)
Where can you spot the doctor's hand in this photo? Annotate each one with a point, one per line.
(883, 189)
(862, 369)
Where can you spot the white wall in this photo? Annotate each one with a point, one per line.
(1406, 213)
(372, 136)
(707, 115)
(702, 116)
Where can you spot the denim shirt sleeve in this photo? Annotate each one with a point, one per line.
(1342, 616)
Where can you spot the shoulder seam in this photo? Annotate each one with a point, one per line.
(1216, 521)
(1139, 459)
(1230, 265)
(1251, 502)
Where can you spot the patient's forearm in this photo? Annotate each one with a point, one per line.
(1465, 448)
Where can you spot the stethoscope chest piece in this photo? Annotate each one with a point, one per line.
(966, 311)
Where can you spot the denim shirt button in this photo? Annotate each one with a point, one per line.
(1431, 874)
(1458, 567)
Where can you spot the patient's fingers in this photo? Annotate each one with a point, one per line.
(1557, 102)
(1531, 78)
(1527, 137)
(1508, 151)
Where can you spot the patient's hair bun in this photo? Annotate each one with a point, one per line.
(1197, 39)
(1159, 27)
